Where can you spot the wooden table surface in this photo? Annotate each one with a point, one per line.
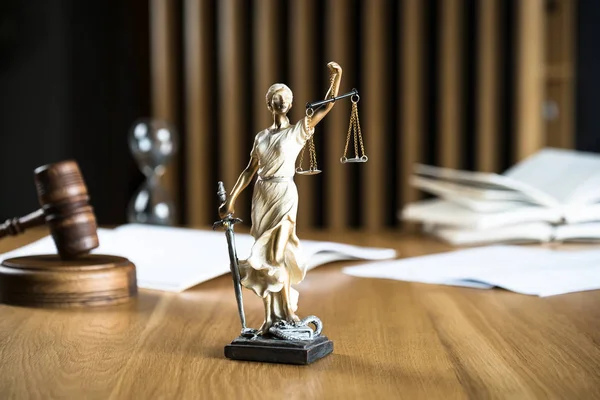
(392, 340)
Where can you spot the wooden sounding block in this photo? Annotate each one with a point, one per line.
(49, 281)
(73, 278)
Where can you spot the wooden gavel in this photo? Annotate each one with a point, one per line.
(64, 202)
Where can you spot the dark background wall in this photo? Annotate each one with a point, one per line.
(588, 76)
(73, 76)
(34, 87)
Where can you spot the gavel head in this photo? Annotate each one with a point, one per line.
(64, 198)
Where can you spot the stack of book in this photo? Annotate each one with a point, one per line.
(554, 195)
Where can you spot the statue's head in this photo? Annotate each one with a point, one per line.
(279, 99)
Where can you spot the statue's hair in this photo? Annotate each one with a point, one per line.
(279, 87)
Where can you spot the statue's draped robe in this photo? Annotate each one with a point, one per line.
(274, 202)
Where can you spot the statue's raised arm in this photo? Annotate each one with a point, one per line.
(335, 78)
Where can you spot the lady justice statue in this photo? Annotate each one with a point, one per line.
(276, 261)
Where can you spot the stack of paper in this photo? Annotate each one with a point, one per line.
(175, 259)
(552, 195)
(533, 271)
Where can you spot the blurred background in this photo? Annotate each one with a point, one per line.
(472, 84)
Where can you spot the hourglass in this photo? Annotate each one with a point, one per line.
(153, 143)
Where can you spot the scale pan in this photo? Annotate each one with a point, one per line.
(345, 160)
(308, 171)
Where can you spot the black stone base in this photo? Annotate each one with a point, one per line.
(279, 351)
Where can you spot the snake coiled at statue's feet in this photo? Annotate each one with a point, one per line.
(297, 330)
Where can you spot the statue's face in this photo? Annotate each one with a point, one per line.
(280, 103)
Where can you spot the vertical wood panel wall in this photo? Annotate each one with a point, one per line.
(340, 49)
(439, 84)
(376, 95)
(232, 97)
(410, 148)
(197, 106)
(302, 46)
(488, 86)
(560, 79)
(451, 90)
(163, 53)
(529, 41)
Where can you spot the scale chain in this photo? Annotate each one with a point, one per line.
(307, 129)
(355, 134)
(354, 131)
(310, 141)
(357, 122)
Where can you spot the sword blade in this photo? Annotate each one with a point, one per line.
(235, 272)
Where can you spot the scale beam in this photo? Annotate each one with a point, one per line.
(316, 104)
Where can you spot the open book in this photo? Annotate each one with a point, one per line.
(175, 259)
(553, 194)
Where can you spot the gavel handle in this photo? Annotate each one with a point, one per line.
(15, 226)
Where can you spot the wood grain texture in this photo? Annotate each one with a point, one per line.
(392, 340)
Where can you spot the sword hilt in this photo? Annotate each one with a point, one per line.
(227, 220)
(221, 193)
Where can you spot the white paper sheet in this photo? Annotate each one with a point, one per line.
(533, 271)
(175, 259)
